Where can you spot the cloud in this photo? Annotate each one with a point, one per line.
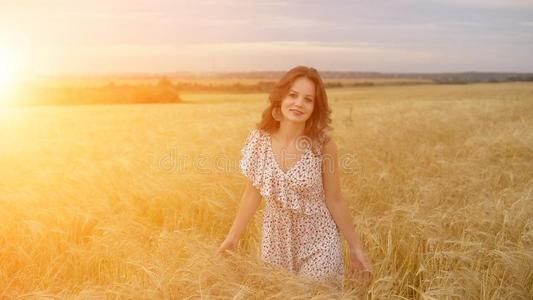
(223, 34)
(526, 24)
(495, 4)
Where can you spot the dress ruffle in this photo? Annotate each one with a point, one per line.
(293, 193)
(253, 158)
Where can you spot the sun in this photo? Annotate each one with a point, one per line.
(5, 77)
(8, 75)
(8, 68)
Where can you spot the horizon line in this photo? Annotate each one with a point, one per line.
(183, 72)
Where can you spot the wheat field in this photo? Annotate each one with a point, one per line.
(131, 201)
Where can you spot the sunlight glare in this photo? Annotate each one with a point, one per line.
(8, 72)
(8, 62)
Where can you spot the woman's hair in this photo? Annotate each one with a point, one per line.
(320, 119)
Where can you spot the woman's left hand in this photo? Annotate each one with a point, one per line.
(359, 267)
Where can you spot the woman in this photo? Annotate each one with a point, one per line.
(291, 162)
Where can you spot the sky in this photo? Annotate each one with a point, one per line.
(102, 36)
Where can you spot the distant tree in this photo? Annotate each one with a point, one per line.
(164, 82)
(238, 86)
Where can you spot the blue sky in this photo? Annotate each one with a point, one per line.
(164, 36)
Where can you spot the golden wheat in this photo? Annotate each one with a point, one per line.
(131, 201)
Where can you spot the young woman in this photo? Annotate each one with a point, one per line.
(291, 162)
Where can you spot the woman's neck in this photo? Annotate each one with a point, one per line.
(289, 131)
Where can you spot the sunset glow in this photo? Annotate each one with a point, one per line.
(8, 67)
(144, 152)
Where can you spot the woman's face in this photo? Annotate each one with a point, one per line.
(298, 105)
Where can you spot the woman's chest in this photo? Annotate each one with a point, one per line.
(305, 173)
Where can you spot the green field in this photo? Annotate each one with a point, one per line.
(132, 201)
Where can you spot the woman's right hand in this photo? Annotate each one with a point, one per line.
(359, 267)
(229, 245)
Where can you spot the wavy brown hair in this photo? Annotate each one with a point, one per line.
(318, 123)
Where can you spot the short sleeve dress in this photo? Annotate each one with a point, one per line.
(298, 231)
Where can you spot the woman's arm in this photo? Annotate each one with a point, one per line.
(250, 201)
(334, 200)
(339, 211)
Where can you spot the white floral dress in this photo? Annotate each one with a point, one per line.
(298, 233)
